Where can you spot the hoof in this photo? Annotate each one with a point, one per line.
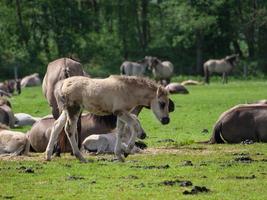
(126, 154)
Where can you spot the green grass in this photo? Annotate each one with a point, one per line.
(214, 166)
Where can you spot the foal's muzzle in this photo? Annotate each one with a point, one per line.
(165, 120)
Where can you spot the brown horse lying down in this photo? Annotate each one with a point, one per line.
(39, 134)
(6, 114)
(8, 87)
(240, 123)
(13, 142)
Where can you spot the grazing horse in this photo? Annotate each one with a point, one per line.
(13, 142)
(240, 123)
(113, 95)
(57, 70)
(31, 80)
(223, 66)
(162, 71)
(105, 143)
(134, 68)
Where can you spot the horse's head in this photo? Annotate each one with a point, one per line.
(232, 59)
(160, 105)
(151, 62)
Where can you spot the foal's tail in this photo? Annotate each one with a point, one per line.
(206, 73)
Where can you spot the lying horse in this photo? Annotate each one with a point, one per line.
(6, 114)
(40, 132)
(57, 70)
(105, 143)
(134, 68)
(223, 66)
(8, 87)
(31, 80)
(240, 123)
(162, 71)
(13, 142)
(90, 124)
(24, 119)
(113, 95)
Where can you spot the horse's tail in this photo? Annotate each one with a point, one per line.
(66, 69)
(27, 146)
(122, 69)
(61, 101)
(216, 135)
(206, 73)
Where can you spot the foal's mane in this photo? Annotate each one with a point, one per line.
(137, 81)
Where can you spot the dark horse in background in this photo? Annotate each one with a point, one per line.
(57, 70)
(223, 66)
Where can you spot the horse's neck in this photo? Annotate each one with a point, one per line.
(143, 95)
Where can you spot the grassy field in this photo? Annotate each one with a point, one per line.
(227, 171)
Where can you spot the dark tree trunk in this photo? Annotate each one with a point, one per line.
(23, 34)
(144, 20)
(199, 52)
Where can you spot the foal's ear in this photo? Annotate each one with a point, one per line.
(171, 105)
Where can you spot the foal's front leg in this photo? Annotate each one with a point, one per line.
(118, 145)
(126, 119)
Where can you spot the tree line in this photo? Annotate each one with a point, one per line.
(101, 34)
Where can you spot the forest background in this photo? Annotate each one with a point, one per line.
(101, 34)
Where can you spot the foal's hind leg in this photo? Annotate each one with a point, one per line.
(71, 131)
(57, 127)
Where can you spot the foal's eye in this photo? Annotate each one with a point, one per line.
(162, 105)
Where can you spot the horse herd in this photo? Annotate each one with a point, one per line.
(113, 105)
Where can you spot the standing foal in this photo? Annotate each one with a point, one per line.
(113, 95)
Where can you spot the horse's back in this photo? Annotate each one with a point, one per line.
(168, 64)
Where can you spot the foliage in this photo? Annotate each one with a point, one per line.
(103, 33)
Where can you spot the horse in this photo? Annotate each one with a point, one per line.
(57, 70)
(31, 80)
(24, 119)
(240, 123)
(223, 66)
(105, 143)
(191, 82)
(40, 132)
(162, 71)
(6, 114)
(134, 68)
(176, 88)
(13, 142)
(8, 87)
(113, 95)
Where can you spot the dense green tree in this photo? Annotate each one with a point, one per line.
(103, 33)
